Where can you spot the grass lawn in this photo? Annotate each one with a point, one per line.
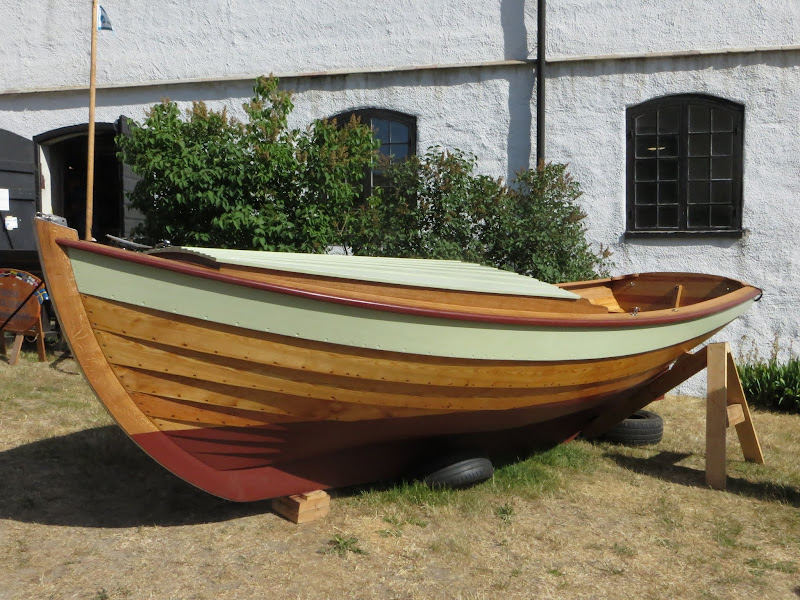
(85, 514)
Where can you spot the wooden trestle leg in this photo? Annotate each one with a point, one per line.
(726, 406)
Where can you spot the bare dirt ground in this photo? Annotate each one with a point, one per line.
(85, 515)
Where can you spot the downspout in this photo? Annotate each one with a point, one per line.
(540, 61)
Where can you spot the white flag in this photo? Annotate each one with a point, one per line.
(103, 22)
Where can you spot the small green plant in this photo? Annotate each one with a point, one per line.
(342, 545)
(727, 532)
(759, 566)
(504, 512)
(771, 384)
(624, 550)
(101, 594)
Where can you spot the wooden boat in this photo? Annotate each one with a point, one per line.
(256, 375)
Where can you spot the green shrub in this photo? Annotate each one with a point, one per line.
(436, 206)
(210, 180)
(772, 385)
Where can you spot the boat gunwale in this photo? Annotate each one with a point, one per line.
(610, 320)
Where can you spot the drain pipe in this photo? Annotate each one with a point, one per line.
(540, 60)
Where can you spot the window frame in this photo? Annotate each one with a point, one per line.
(366, 115)
(683, 102)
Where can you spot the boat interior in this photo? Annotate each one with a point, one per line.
(636, 293)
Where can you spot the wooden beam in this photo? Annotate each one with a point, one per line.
(716, 415)
(686, 366)
(13, 358)
(39, 331)
(678, 293)
(748, 438)
(735, 414)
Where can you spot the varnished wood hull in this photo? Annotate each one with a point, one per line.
(248, 411)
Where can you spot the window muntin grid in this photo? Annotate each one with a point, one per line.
(397, 134)
(684, 165)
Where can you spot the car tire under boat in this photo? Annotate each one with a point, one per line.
(642, 428)
(455, 471)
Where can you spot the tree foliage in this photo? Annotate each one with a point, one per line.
(436, 206)
(211, 180)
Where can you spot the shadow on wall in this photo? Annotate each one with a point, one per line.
(520, 89)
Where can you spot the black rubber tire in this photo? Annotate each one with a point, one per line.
(456, 471)
(642, 428)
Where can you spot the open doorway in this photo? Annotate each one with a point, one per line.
(63, 163)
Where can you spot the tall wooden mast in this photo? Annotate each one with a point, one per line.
(90, 161)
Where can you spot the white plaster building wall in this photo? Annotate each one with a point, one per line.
(601, 27)
(586, 127)
(479, 110)
(46, 45)
(484, 110)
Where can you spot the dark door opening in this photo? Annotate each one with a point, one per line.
(68, 165)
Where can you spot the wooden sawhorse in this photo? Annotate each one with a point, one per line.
(726, 406)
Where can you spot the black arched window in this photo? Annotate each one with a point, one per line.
(397, 133)
(684, 165)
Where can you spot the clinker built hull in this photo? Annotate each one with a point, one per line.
(251, 389)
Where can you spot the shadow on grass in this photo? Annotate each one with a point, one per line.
(99, 478)
(664, 466)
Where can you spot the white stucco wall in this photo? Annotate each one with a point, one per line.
(602, 27)
(158, 47)
(177, 40)
(586, 128)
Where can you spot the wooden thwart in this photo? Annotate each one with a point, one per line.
(726, 406)
(302, 508)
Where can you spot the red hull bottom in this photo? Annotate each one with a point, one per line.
(223, 461)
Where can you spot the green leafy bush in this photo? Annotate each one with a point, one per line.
(211, 180)
(772, 385)
(436, 206)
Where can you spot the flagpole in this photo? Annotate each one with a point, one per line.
(90, 158)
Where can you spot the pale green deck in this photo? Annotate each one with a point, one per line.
(416, 272)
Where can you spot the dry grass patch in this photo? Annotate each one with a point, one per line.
(84, 514)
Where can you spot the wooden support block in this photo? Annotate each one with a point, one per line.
(735, 414)
(302, 508)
